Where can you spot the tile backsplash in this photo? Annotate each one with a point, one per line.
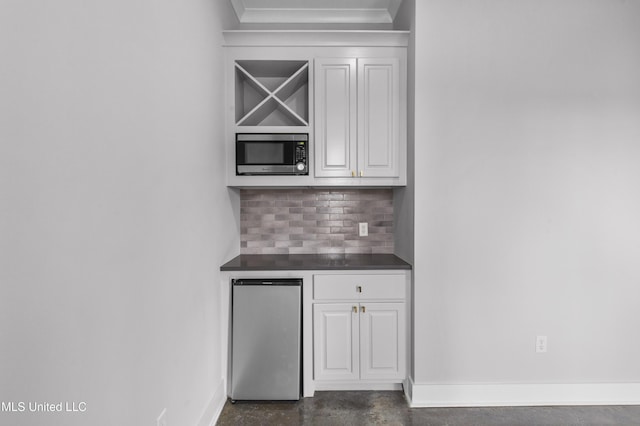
(290, 221)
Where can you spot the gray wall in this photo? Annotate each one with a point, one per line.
(113, 214)
(404, 197)
(527, 132)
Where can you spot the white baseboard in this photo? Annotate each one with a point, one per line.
(214, 408)
(495, 395)
(356, 386)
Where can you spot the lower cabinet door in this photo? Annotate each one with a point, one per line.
(336, 344)
(382, 341)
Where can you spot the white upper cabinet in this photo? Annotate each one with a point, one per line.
(345, 89)
(335, 121)
(378, 117)
(357, 122)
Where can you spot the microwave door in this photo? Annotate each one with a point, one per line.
(261, 158)
(265, 153)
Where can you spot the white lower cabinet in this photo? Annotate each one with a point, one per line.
(362, 340)
(359, 341)
(382, 341)
(337, 342)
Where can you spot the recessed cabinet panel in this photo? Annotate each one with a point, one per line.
(382, 337)
(336, 114)
(335, 90)
(336, 352)
(378, 110)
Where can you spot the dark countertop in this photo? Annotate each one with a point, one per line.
(297, 262)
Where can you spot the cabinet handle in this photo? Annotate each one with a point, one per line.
(361, 173)
(355, 309)
(353, 173)
(362, 309)
(359, 289)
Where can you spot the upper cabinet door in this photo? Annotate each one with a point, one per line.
(378, 117)
(335, 117)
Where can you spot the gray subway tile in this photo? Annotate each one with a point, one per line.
(308, 220)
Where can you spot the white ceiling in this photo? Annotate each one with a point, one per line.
(316, 11)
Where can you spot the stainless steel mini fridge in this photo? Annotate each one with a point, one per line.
(266, 339)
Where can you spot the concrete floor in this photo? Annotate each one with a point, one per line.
(390, 408)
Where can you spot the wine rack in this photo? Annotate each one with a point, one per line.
(271, 93)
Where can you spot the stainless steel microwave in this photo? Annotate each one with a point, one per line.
(272, 154)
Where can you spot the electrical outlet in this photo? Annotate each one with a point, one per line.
(363, 229)
(541, 344)
(162, 418)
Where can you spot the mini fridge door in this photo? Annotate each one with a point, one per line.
(266, 339)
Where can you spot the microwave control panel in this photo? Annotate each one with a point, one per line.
(301, 156)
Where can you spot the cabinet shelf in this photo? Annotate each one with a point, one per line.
(272, 93)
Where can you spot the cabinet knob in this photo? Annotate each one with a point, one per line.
(359, 289)
(353, 173)
(355, 309)
(361, 173)
(363, 309)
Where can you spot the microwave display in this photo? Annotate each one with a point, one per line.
(271, 154)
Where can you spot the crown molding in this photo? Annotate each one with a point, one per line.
(380, 38)
(316, 11)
